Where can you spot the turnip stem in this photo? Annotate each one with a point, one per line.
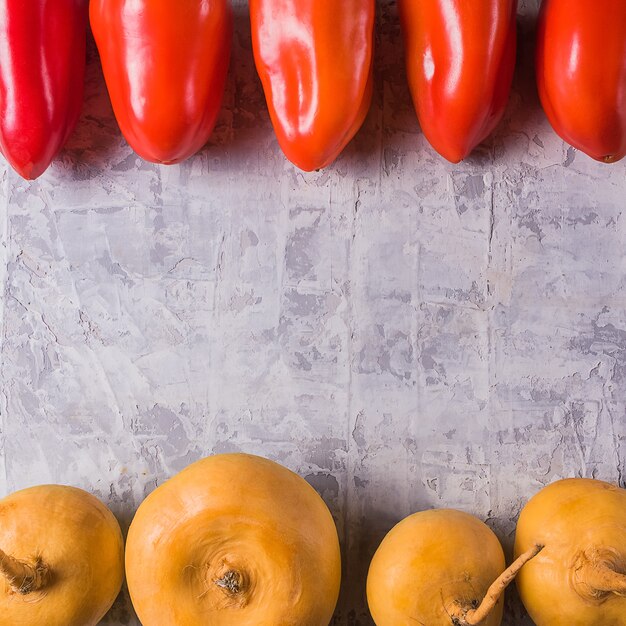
(473, 617)
(23, 577)
(599, 577)
(231, 581)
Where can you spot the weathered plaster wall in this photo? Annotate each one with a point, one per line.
(403, 332)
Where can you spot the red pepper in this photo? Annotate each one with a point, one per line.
(314, 58)
(165, 64)
(42, 69)
(581, 73)
(460, 63)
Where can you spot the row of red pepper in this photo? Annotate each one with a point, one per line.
(165, 64)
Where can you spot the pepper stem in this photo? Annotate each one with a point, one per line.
(23, 577)
(473, 617)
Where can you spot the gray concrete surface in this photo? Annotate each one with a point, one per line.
(402, 332)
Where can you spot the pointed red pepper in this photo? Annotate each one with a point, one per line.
(42, 69)
(581, 74)
(315, 59)
(165, 63)
(460, 57)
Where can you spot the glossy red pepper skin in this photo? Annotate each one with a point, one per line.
(42, 70)
(581, 73)
(315, 60)
(460, 57)
(165, 63)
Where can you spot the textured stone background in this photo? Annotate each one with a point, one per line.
(403, 332)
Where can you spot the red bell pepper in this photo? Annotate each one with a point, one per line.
(314, 58)
(42, 68)
(165, 63)
(581, 73)
(460, 57)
